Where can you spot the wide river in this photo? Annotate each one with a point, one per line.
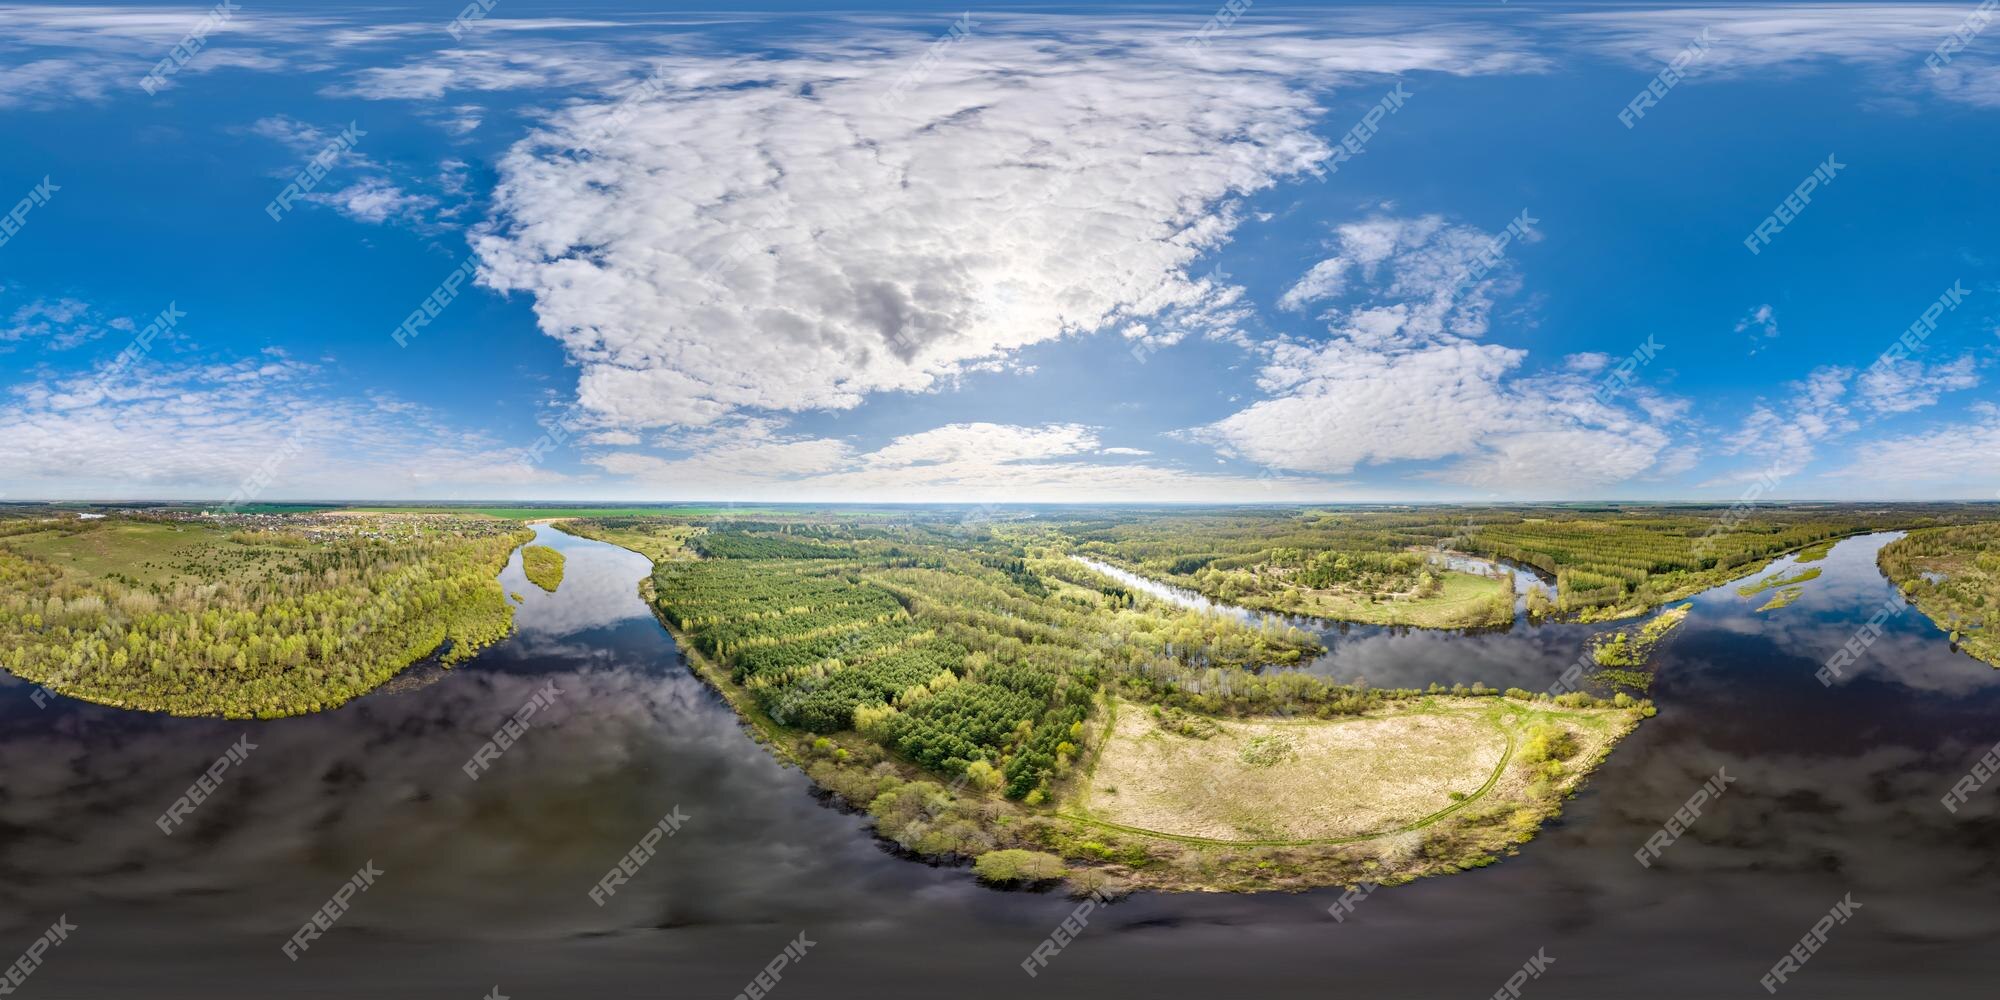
(1836, 792)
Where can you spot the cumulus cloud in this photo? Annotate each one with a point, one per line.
(1404, 378)
(985, 442)
(786, 233)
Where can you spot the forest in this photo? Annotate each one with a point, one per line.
(975, 657)
(252, 618)
(1952, 575)
(1607, 561)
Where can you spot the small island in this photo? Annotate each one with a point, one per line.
(543, 567)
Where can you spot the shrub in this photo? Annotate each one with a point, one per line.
(1549, 743)
(1017, 866)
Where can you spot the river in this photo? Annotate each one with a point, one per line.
(1836, 791)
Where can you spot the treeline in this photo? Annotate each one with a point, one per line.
(968, 655)
(1953, 576)
(223, 633)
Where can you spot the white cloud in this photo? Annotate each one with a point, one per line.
(375, 200)
(965, 462)
(1403, 379)
(1757, 326)
(1960, 454)
(772, 234)
(197, 431)
(1785, 436)
(1906, 385)
(516, 67)
(1892, 40)
(985, 442)
(60, 323)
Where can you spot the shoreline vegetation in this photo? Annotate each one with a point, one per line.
(245, 616)
(1374, 566)
(543, 566)
(1952, 575)
(983, 696)
(962, 689)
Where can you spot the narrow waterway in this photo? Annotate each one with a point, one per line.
(1836, 791)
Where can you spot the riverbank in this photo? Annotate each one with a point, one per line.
(289, 617)
(1414, 821)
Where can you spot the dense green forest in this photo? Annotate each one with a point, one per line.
(974, 657)
(184, 616)
(1952, 575)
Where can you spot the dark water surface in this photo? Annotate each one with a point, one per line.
(485, 882)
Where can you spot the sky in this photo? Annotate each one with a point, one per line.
(1164, 253)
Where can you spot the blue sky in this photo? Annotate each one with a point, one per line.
(1023, 254)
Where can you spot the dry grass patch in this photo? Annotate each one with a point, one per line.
(1296, 779)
